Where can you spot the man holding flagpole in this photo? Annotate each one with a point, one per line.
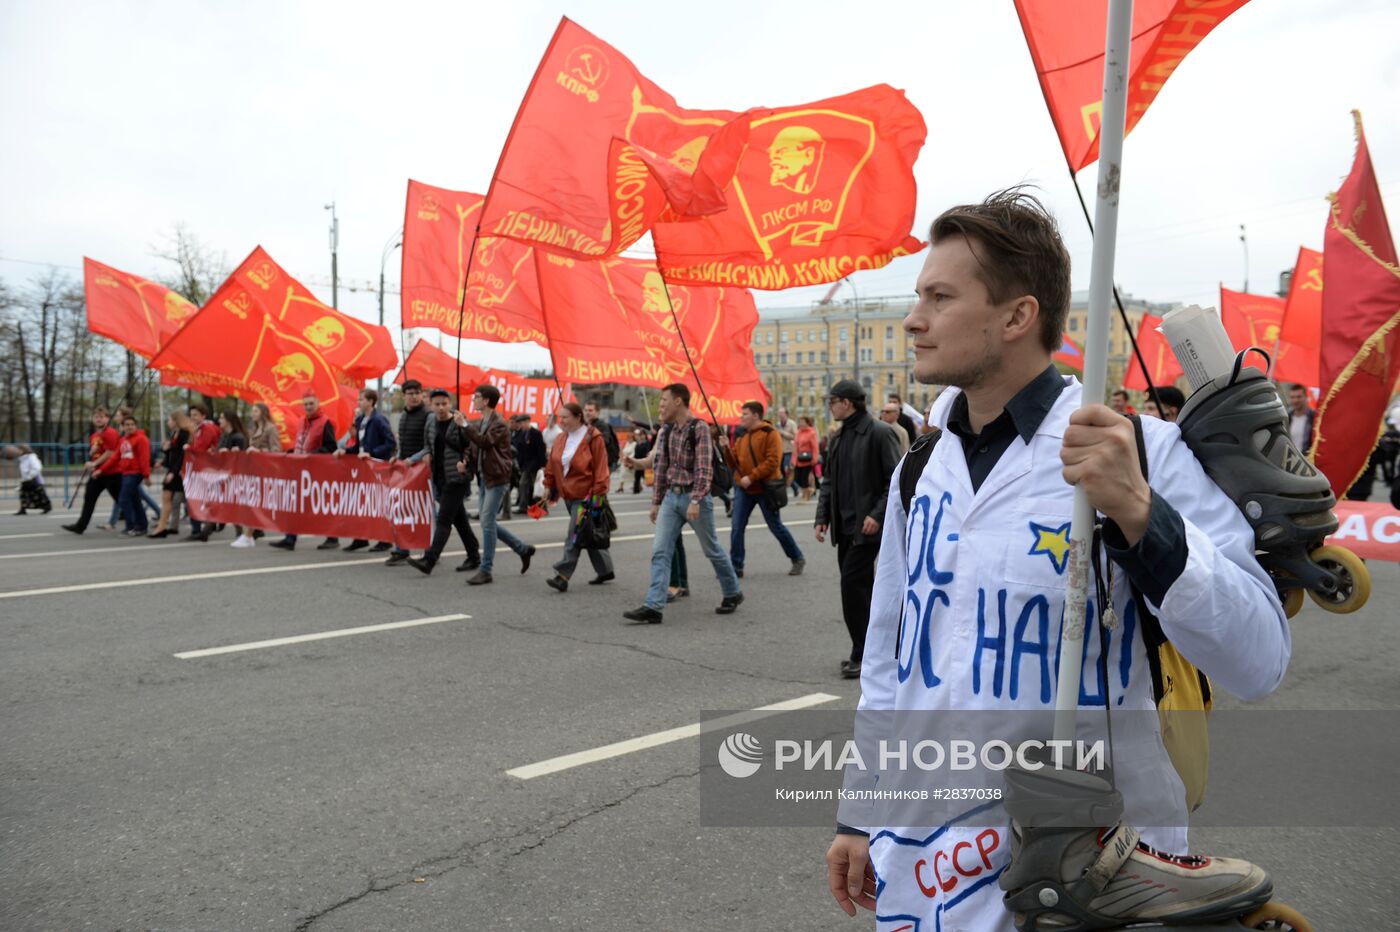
(982, 544)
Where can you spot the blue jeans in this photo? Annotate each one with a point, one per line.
(670, 519)
(133, 509)
(489, 507)
(143, 497)
(744, 504)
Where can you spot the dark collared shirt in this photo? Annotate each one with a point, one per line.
(1153, 563)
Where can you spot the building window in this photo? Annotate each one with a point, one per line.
(799, 336)
(782, 358)
(784, 337)
(825, 354)
(841, 357)
(889, 333)
(867, 354)
(811, 336)
(1074, 325)
(768, 337)
(889, 379)
(889, 354)
(770, 359)
(867, 382)
(841, 334)
(758, 359)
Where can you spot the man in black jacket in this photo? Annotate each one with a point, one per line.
(530, 457)
(443, 447)
(412, 423)
(859, 462)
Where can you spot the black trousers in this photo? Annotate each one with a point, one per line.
(452, 513)
(96, 485)
(856, 557)
(525, 489)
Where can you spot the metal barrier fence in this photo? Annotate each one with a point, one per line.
(62, 461)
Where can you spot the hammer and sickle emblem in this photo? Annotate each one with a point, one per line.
(239, 305)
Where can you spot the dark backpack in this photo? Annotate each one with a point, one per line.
(609, 443)
(721, 477)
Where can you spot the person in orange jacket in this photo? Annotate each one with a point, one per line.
(756, 459)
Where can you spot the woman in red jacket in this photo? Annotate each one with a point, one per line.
(804, 457)
(577, 471)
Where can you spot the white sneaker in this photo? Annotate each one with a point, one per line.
(242, 542)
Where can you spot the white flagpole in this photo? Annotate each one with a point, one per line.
(1118, 47)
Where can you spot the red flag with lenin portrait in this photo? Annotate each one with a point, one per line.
(1360, 361)
(1066, 39)
(135, 312)
(1254, 320)
(236, 346)
(571, 180)
(503, 301)
(611, 321)
(821, 190)
(362, 351)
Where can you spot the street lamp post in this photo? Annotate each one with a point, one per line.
(393, 243)
(335, 247)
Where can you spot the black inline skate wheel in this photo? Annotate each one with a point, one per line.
(1278, 917)
(1355, 587)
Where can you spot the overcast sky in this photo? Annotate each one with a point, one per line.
(241, 120)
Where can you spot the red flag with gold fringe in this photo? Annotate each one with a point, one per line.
(1360, 360)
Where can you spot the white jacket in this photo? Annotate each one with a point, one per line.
(962, 556)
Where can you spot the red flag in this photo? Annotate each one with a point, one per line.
(567, 178)
(1066, 39)
(538, 398)
(629, 334)
(1360, 361)
(133, 311)
(1070, 354)
(821, 190)
(503, 300)
(363, 351)
(233, 346)
(1253, 320)
(1158, 355)
(1302, 312)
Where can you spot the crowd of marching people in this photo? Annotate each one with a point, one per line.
(489, 469)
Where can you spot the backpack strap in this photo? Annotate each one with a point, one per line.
(913, 466)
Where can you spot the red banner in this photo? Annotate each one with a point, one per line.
(628, 334)
(1066, 39)
(313, 495)
(1254, 320)
(538, 398)
(135, 312)
(1157, 353)
(1371, 530)
(822, 190)
(1360, 360)
(503, 301)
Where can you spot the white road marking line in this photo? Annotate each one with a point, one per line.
(256, 571)
(21, 536)
(578, 759)
(319, 636)
(128, 548)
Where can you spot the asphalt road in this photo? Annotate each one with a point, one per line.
(361, 782)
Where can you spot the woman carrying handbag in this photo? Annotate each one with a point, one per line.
(577, 471)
